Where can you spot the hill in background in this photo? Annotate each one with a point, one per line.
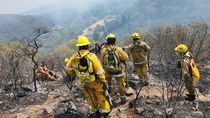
(127, 17)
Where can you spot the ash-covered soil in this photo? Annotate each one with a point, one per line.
(158, 100)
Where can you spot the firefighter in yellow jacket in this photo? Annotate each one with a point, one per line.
(91, 76)
(185, 58)
(139, 51)
(113, 58)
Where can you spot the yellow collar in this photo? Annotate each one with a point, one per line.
(84, 52)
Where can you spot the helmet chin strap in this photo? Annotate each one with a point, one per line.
(181, 54)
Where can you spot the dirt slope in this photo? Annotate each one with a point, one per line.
(152, 94)
(152, 102)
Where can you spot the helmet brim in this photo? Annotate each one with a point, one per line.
(78, 45)
(177, 50)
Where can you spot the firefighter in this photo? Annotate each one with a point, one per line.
(139, 52)
(189, 74)
(113, 58)
(87, 68)
(97, 49)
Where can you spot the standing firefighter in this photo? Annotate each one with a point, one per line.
(97, 49)
(113, 58)
(86, 66)
(139, 52)
(189, 71)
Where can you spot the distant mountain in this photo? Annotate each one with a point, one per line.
(141, 14)
(74, 18)
(130, 15)
(16, 27)
(65, 12)
(155, 12)
(73, 14)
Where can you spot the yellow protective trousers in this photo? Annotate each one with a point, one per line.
(120, 82)
(96, 97)
(190, 85)
(142, 71)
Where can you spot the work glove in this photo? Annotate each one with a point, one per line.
(68, 78)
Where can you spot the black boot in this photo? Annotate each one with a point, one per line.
(94, 115)
(99, 115)
(190, 97)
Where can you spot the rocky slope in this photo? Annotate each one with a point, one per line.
(55, 100)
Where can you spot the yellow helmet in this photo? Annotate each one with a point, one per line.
(82, 41)
(66, 60)
(110, 36)
(181, 48)
(136, 35)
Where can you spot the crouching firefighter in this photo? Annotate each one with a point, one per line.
(189, 70)
(113, 58)
(87, 68)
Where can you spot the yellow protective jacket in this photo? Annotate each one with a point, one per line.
(185, 61)
(138, 50)
(123, 56)
(96, 67)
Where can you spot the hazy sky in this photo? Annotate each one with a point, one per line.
(18, 6)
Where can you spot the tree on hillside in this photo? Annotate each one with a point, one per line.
(14, 68)
(32, 48)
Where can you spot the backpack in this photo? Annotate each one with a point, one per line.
(111, 61)
(194, 72)
(137, 48)
(138, 52)
(83, 67)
